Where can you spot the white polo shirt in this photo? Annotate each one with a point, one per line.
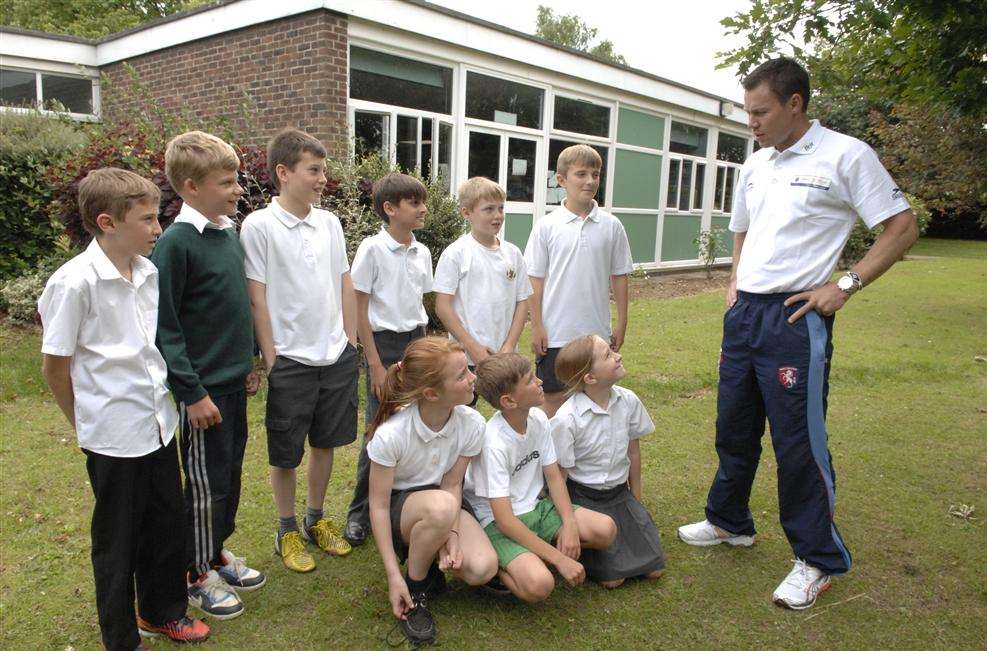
(486, 284)
(395, 276)
(799, 205)
(189, 215)
(107, 325)
(510, 466)
(302, 262)
(419, 455)
(592, 442)
(576, 257)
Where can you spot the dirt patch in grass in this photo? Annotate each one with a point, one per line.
(675, 285)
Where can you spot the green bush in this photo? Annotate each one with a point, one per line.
(31, 144)
(19, 296)
(862, 238)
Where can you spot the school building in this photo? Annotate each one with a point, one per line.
(432, 89)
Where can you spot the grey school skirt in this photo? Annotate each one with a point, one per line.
(637, 549)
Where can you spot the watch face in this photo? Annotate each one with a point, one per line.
(845, 283)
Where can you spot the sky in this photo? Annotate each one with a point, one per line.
(675, 40)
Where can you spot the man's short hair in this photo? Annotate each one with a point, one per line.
(113, 191)
(499, 375)
(477, 189)
(196, 154)
(286, 148)
(578, 155)
(395, 187)
(784, 76)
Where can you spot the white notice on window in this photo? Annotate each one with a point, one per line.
(519, 166)
(505, 118)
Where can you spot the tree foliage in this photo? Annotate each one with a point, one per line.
(919, 51)
(88, 18)
(571, 31)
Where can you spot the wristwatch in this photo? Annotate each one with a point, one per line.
(850, 283)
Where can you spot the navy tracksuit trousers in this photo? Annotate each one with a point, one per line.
(770, 368)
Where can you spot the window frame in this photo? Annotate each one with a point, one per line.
(39, 93)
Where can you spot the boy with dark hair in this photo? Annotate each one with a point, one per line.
(110, 382)
(305, 320)
(391, 272)
(205, 335)
(576, 236)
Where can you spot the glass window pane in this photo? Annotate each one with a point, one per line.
(554, 194)
(521, 169)
(685, 188)
(484, 156)
(697, 196)
(728, 193)
(720, 178)
(687, 139)
(731, 148)
(444, 172)
(426, 148)
(73, 93)
(499, 100)
(370, 134)
(407, 144)
(17, 88)
(674, 169)
(581, 117)
(384, 78)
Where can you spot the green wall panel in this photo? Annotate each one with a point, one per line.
(726, 237)
(517, 228)
(636, 180)
(677, 237)
(642, 231)
(641, 129)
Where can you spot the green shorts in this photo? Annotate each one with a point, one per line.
(543, 520)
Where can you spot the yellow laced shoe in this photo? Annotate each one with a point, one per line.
(326, 535)
(292, 551)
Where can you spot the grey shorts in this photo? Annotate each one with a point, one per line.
(317, 402)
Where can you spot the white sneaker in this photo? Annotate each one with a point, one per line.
(237, 574)
(705, 534)
(214, 597)
(801, 587)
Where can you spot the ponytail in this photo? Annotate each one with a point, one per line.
(421, 368)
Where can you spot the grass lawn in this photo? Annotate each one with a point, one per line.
(908, 433)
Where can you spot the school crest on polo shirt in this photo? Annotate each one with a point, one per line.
(788, 376)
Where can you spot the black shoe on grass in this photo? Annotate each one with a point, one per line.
(418, 625)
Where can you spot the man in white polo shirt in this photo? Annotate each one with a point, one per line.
(797, 199)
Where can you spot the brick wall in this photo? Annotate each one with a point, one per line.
(289, 72)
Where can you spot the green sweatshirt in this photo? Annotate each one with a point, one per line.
(205, 329)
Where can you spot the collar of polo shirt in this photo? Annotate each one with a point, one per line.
(140, 269)
(584, 403)
(393, 244)
(424, 432)
(593, 214)
(287, 218)
(189, 215)
(808, 143)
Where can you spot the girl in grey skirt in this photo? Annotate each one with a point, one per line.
(596, 434)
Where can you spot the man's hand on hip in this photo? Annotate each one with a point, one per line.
(825, 300)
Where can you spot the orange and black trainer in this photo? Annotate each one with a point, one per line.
(185, 629)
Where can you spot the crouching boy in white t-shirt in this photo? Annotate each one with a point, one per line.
(481, 282)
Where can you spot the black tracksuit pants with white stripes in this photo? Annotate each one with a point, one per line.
(213, 462)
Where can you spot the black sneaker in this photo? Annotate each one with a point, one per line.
(418, 625)
(355, 533)
(436, 579)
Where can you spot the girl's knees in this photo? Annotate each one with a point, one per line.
(609, 531)
(602, 532)
(478, 569)
(441, 510)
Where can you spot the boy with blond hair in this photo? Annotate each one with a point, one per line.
(305, 318)
(205, 335)
(391, 272)
(110, 382)
(575, 255)
(481, 281)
